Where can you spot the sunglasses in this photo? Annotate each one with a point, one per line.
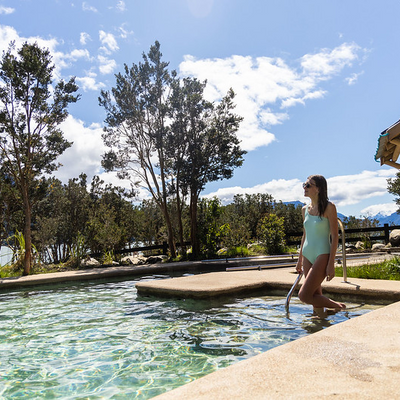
(307, 185)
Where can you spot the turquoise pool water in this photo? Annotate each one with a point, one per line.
(102, 341)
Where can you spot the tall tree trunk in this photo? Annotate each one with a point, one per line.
(170, 232)
(193, 226)
(27, 236)
(180, 224)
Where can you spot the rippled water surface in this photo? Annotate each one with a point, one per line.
(102, 341)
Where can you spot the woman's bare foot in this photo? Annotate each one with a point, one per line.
(341, 308)
(337, 309)
(319, 313)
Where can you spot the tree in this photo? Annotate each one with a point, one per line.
(394, 188)
(136, 129)
(272, 234)
(253, 207)
(109, 217)
(204, 143)
(60, 218)
(31, 110)
(163, 135)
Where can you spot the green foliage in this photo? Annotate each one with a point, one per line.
(271, 233)
(161, 132)
(31, 110)
(108, 257)
(210, 229)
(77, 250)
(387, 270)
(238, 252)
(251, 207)
(352, 222)
(394, 188)
(17, 244)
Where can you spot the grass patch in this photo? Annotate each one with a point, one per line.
(387, 270)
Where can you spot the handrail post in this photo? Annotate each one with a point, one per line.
(343, 250)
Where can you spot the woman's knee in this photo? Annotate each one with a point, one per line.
(304, 296)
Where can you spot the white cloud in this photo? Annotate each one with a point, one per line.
(121, 6)
(330, 62)
(84, 38)
(123, 32)
(383, 209)
(61, 60)
(109, 42)
(6, 10)
(280, 189)
(264, 85)
(343, 190)
(7, 35)
(352, 79)
(351, 189)
(89, 82)
(107, 65)
(85, 153)
(88, 7)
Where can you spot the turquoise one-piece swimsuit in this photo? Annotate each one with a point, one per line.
(317, 240)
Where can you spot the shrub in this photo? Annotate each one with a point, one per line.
(271, 233)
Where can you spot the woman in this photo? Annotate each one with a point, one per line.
(318, 246)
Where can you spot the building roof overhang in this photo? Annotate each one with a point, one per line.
(388, 150)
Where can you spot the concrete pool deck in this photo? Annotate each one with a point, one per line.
(356, 359)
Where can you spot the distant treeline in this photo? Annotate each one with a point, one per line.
(84, 218)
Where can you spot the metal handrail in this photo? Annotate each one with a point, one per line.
(343, 251)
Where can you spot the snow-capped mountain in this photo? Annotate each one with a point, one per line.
(392, 219)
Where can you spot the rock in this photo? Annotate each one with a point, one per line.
(359, 245)
(378, 246)
(133, 260)
(154, 259)
(394, 237)
(89, 262)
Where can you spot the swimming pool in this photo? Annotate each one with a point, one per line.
(102, 341)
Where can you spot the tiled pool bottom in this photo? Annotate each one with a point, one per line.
(101, 341)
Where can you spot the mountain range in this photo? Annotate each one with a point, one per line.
(392, 219)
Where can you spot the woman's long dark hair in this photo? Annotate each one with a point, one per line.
(322, 186)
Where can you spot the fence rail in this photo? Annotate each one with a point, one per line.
(383, 236)
(289, 239)
(163, 247)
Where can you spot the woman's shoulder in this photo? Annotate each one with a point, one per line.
(330, 209)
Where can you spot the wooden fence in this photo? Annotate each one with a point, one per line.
(375, 234)
(162, 247)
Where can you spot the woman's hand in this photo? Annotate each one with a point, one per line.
(299, 267)
(330, 271)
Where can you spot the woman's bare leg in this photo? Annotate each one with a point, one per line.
(306, 267)
(311, 291)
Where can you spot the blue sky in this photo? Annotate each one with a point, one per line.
(316, 81)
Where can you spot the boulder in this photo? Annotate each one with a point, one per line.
(394, 237)
(155, 259)
(378, 246)
(133, 260)
(359, 245)
(90, 262)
